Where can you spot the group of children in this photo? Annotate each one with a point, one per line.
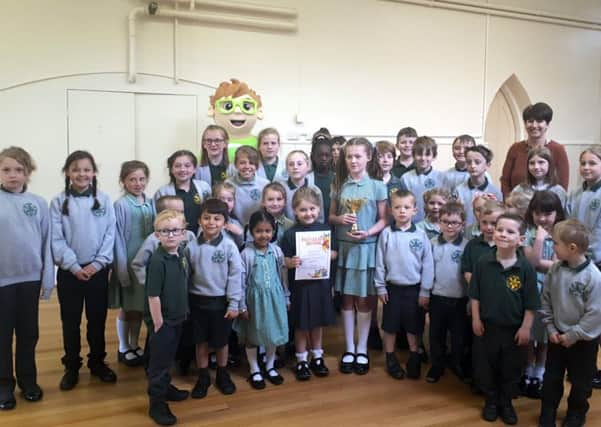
(209, 263)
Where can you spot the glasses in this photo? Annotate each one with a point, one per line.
(451, 223)
(246, 105)
(167, 232)
(209, 141)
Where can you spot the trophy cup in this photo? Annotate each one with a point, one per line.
(354, 205)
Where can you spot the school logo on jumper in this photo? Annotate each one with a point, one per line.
(579, 289)
(255, 194)
(30, 209)
(514, 283)
(101, 211)
(594, 205)
(416, 245)
(429, 183)
(218, 256)
(197, 199)
(184, 263)
(456, 257)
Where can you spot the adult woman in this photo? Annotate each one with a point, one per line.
(536, 121)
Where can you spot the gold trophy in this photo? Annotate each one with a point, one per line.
(354, 205)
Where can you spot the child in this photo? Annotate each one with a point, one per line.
(403, 287)
(263, 320)
(448, 301)
(385, 153)
(274, 202)
(248, 185)
(541, 175)
(270, 167)
(215, 291)
(583, 204)
(357, 246)
(323, 169)
(503, 300)
(571, 310)
(458, 173)
(226, 192)
(135, 214)
(311, 306)
(423, 177)
(182, 166)
(83, 237)
(405, 139)
(473, 230)
(434, 200)
(165, 312)
(297, 166)
(543, 213)
(337, 144)
(214, 163)
(26, 275)
(478, 160)
(517, 203)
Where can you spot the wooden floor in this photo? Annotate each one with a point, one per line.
(344, 400)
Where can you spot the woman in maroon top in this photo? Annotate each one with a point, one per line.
(536, 121)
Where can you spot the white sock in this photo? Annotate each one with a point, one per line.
(539, 371)
(317, 353)
(270, 357)
(348, 322)
(134, 332)
(302, 357)
(123, 334)
(363, 325)
(530, 370)
(251, 355)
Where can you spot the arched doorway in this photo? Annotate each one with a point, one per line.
(503, 124)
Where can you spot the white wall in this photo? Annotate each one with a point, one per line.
(360, 67)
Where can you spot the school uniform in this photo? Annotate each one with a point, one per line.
(571, 305)
(248, 196)
(467, 192)
(406, 281)
(275, 171)
(265, 296)
(167, 279)
(282, 223)
(83, 237)
(215, 288)
(26, 267)
(213, 174)
(198, 192)
(324, 183)
(400, 169)
(134, 222)
(311, 303)
(473, 251)
(584, 204)
(504, 295)
(448, 301)
(357, 260)
(455, 177)
(291, 190)
(529, 191)
(238, 239)
(431, 230)
(419, 183)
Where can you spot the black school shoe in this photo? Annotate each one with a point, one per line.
(104, 373)
(534, 390)
(161, 414)
(361, 368)
(573, 420)
(414, 366)
(69, 380)
(33, 394)
(275, 379)
(224, 382)
(347, 367)
(434, 374)
(393, 368)
(8, 403)
(129, 358)
(490, 411)
(597, 380)
(318, 367)
(302, 371)
(202, 384)
(256, 384)
(174, 394)
(547, 417)
(508, 415)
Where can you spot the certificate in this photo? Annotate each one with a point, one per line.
(313, 248)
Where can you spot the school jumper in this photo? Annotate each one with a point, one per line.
(419, 183)
(432, 230)
(291, 190)
(26, 267)
(83, 237)
(273, 172)
(584, 204)
(248, 196)
(213, 174)
(466, 192)
(199, 191)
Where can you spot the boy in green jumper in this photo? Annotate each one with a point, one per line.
(166, 309)
(504, 297)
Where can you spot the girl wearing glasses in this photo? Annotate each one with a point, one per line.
(135, 214)
(214, 163)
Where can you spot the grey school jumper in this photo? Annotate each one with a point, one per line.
(248, 196)
(419, 183)
(151, 243)
(571, 301)
(404, 258)
(84, 236)
(216, 269)
(466, 192)
(448, 280)
(202, 188)
(584, 204)
(291, 190)
(25, 254)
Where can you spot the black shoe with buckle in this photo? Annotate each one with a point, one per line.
(256, 381)
(69, 380)
(361, 368)
(302, 371)
(129, 358)
(276, 378)
(33, 393)
(318, 367)
(347, 367)
(104, 373)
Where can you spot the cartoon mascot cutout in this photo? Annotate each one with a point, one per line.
(236, 107)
